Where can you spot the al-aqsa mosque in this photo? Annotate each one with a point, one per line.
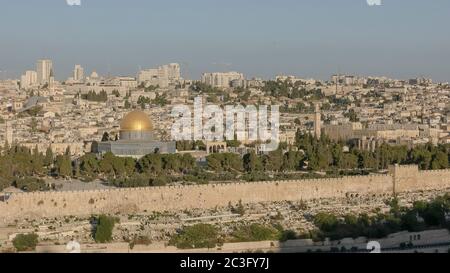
(136, 138)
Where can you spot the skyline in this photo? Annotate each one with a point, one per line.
(349, 37)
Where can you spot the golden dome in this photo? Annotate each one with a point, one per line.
(136, 121)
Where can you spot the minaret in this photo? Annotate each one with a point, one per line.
(337, 84)
(405, 92)
(51, 82)
(317, 121)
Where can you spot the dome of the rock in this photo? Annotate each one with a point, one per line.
(136, 121)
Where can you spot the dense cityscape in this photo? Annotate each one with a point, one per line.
(74, 135)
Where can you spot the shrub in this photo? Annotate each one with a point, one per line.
(326, 222)
(197, 236)
(104, 229)
(239, 209)
(26, 242)
(160, 181)
(141, 240)
(134, 181)
(288, 235)
(30, 184)
(256, 232)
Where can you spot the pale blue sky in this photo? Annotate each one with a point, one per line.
(308, 38)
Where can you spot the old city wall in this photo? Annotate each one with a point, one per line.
(129, 201)
(432, 180)
(160, 199)
(409, 178)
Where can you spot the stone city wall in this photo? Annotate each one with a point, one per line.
(161, 199)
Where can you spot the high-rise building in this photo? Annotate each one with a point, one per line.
(44, 69)
(78, 73)
(221, 79)
(174, 72)
(29, 79)
(162, 76)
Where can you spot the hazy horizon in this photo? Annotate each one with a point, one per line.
(261, 38)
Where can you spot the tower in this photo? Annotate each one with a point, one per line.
(405, 92)
(78, 73)
(51, 82)
(317, 121)
(43, 68)
(337, 84)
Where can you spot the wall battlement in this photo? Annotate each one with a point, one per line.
(174, 198)
(206, 186)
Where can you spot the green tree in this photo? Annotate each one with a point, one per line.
(273, 161)
(89, 166)
(225, 162)
(107, 164)
(292, 161)
(439, 161)
(63, 166)
(151, 164)
(129, 166)
(348, 162)
(422, 156)
(49, 157)
(252, 163)
(37, 161)
(410, 222)
(367, 160)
